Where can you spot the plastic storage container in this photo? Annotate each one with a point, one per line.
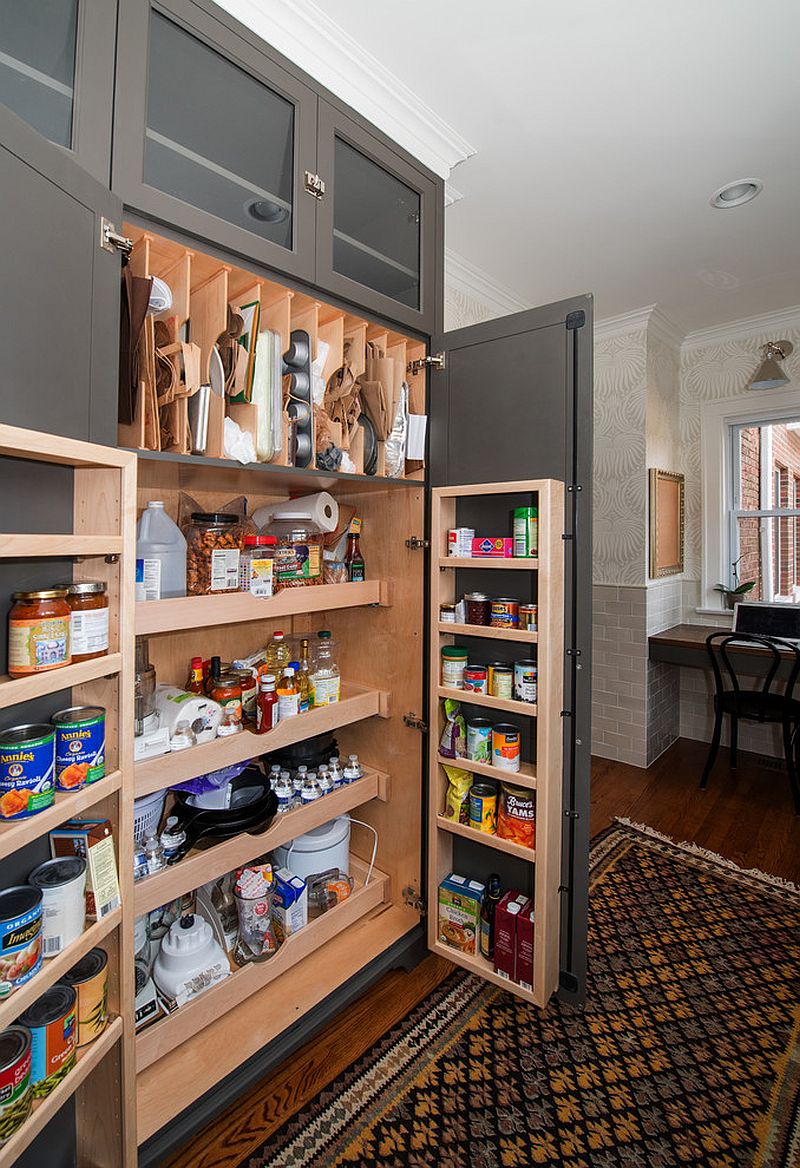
(215, 546)
(298, 552)
(160, 555)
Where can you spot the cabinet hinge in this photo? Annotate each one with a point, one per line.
(314, 185)
(111, 240)
(572, 814)
(434, 361)
(414, 900)
(414, 722)
(575, 320)
(416, 544)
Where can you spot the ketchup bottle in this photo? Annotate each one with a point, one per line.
(267, 705)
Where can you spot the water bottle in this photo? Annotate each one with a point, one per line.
(335, 771)
(160, 555)
(325, 781)
(311, 790)
(274, 774)
(353, 770)
(285, 794)
(155, 853)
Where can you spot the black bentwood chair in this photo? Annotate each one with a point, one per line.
(764, 704)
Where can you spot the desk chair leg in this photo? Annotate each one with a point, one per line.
(789, 749)
(713, 748)
(734, 740)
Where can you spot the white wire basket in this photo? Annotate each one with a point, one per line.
(147, 813)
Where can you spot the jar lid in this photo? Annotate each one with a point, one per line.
(227, 679)
(475, 596)
(48, 594)
(214, 517)
(86, 588)
(454, 651)
(260, 540)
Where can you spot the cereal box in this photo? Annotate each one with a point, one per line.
(459, 913)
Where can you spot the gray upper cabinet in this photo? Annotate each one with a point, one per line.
(212, 136)
(376, 232)
(57, 73)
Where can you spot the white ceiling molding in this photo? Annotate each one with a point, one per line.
(665, 329)
(648, 317)
(478, 285)
(755, 326)
(451, 195)
(306, 35)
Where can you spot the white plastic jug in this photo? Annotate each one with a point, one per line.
(160, 555)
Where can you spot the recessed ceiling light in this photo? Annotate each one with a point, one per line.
(735, 193)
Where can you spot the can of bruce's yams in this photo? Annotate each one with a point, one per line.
(89, 978)
(16, 1097)
(505, 746)
(20, 936)
(51, 1021)
(27, 763)
(80, 746)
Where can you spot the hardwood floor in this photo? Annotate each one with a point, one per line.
(745, 815)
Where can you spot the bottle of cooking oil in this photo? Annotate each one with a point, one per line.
(325, 679)
(305, 666)
(302, 684)
(277, 655)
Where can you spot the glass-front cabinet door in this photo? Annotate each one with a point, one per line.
(212, 136)
(57, 71)
(377, 224)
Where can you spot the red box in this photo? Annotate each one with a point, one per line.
(507, 913)
(489, 545)
(525, 949)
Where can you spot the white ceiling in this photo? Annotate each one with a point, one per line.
(600, 132)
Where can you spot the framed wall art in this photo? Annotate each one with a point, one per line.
(666, 523)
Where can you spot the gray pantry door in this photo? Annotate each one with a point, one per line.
(59, 327)
(514, 401)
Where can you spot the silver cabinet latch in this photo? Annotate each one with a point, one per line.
(416, 544)
(415, 723)
(314, 185)
(414, 900)
(111, 240)
(435, 361)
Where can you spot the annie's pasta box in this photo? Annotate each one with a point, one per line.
(505, 933)
(93, 841)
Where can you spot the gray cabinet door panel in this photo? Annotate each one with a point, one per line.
(376, 224)
(59, 328)
(57, 73)
(212, 136)
(514, 401)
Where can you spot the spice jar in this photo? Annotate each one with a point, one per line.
(454, 662)
(478, 608)
(39, 632)
(213, 548)
(256, 565)
(88, 602)
(228, 693)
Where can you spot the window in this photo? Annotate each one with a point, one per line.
(750, 478)
(763, 512)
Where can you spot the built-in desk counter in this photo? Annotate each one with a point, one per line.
(686, 645)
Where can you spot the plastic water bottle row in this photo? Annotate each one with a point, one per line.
(305, 786)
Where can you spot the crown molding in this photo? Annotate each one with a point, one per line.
(471, 281)
(306, 35)
(626, 322)
(451, 195)
(665, 329)
(749, 326)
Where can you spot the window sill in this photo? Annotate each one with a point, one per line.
(723, 615)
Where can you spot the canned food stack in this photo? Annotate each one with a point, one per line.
(514, 682)
(499, 809)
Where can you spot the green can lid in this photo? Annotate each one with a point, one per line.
(455, 651)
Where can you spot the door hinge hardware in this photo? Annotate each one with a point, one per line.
(574, 487)
(315, 185)
(567, 535)
(414, 900)
(572, 814)
(111, 240)
(416, 544)
(414, 722)
(112, 559)
(566, 713)
(563, 888)
(573, 652)
(576, 320)
(434, 361)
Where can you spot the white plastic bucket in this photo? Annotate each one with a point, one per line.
(324, 847)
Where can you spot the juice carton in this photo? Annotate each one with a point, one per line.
(459, 913)
(505, 933)
(525, 925)
(289, 904)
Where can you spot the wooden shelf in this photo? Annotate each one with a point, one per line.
(42, 447)
(22, 689)
(483, 837)
(163, 1036)
(526, 564)
(524, 777)
(230, 474)
(196, 612)
(89, 1057)
(356, 704)
(54, 968)
(483, 968)
(68, 804)
(29, 546)
(203, 865)
(488, 631)
(470, 698)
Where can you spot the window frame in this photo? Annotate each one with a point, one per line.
(718, 464)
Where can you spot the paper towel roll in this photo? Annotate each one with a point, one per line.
(320, 508)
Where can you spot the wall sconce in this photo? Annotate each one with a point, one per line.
(769, 374)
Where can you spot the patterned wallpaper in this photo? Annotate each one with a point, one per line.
(714, 372)
(620, 488)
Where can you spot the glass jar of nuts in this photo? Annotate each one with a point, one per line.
(213, 546)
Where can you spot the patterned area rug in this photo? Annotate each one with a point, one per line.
(686, 1053)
